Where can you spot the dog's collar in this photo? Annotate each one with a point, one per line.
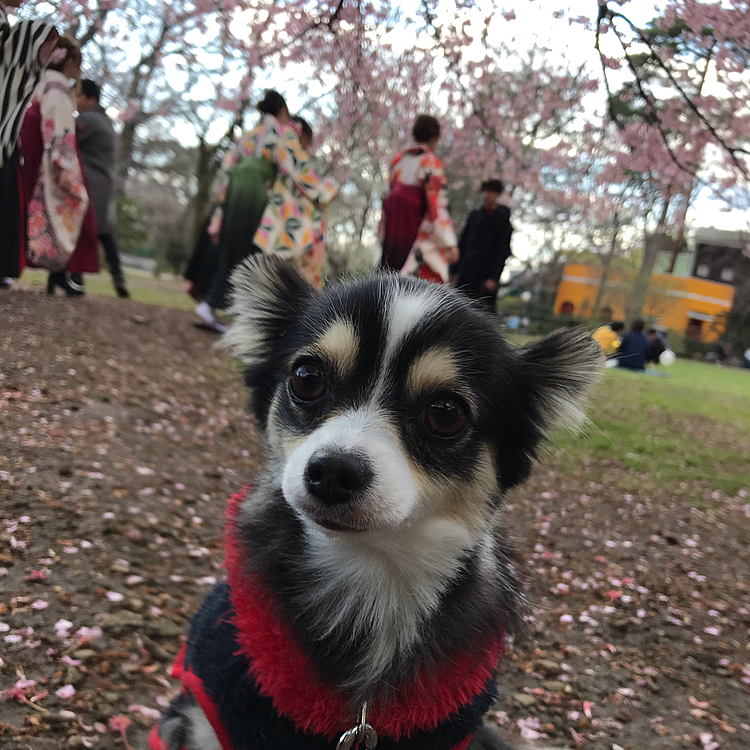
(284, 673)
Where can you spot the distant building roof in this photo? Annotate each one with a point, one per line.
(721, 237)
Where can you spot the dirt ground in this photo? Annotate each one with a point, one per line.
(123, 431)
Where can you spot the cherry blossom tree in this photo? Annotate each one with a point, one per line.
(683, 101)
(663, 118)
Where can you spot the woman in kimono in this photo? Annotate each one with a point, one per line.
(416, 231)
(62, 235)
(258, 211)
(304, 246)
(25, 49)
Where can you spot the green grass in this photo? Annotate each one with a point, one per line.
(688, 433)
(166, 291)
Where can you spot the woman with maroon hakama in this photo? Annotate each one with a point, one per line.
(416, 231)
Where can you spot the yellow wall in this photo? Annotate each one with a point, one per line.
(670, 299)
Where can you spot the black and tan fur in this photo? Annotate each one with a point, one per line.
(414, 563)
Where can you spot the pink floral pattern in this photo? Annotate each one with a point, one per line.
(59, 201)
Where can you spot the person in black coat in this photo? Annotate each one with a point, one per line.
(635, 349)
(484, 246)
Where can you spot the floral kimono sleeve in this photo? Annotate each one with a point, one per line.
(429, 256)
(437, 227)
(60, 199)
(293, 161)
(60, 160)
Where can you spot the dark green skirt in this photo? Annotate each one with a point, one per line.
(246, 200)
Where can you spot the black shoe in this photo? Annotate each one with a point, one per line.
(5, 282)
(64, 281)
(122, 292)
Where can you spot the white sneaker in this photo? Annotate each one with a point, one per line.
(208, 319)
(206, 314)
(6, 282)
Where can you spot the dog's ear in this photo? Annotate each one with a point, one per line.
(553, 380)
(559, 372)
(268, 296)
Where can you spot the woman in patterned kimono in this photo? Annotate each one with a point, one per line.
(267, 193)
(304, 247)
(61, 230)
(416, 231)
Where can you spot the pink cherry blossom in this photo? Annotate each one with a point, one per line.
(65, 692)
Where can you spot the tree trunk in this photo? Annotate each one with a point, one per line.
(654, 243)
(608, 258)
(677, 245)
(552, 277)
(125, 156)
(680, 238)
(659, 240)
(363, 225)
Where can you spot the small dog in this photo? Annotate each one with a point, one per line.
(371, 585)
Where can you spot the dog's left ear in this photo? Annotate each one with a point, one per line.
(558, 373)
(554, 378)
(268, 296)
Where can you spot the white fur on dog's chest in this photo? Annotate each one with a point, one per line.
(386, 583)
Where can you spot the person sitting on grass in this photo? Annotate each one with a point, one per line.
(635, 349)
(608, 337)
(658, 347)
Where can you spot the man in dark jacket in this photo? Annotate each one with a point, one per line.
(98, 143)
(635, 349)
(484, 246)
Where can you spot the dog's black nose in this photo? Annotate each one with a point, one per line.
(335, 478)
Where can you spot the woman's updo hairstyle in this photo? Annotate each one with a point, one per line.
(426, 127)
(272, 103)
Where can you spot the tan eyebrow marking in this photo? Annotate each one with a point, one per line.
(340, 345)
(436, 368)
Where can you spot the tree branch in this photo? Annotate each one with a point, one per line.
(733, 151)
(648, 98)
(94, 26)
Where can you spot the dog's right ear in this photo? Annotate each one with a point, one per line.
(268, 296)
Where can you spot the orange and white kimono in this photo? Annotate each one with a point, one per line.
(415, 216)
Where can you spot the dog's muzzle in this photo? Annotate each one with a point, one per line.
(351, 474)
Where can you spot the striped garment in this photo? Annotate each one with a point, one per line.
(20, 71)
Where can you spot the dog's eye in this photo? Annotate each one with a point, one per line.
(445, 417)
(308, 382)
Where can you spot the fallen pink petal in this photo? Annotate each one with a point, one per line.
(150, 713)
